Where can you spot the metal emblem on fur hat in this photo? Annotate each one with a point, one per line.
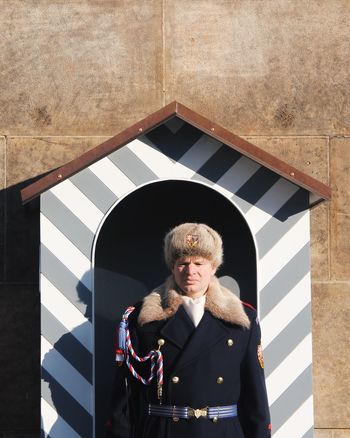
(192, 240)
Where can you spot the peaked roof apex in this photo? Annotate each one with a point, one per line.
(319, 190)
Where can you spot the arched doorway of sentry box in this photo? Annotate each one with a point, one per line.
(128, 260)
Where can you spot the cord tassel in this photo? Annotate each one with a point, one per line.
(120, 351)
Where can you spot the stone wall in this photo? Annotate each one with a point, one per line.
(75, 73)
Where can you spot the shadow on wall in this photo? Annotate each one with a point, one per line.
(20, 313)
(67, 386)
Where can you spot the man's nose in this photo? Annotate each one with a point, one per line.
(190, 268)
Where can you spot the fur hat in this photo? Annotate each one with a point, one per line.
(192, 239)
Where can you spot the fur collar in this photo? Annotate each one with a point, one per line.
(165, 300)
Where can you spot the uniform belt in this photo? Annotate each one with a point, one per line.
(186, 412)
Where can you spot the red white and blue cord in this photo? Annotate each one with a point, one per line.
(125, 349)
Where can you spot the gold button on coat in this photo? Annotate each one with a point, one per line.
(160, 342)
(220, 380)
(230, 342)
(175, 379)
(215, 419)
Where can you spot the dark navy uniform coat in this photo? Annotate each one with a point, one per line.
(217, 363)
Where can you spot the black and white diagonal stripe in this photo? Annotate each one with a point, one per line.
(71, 213)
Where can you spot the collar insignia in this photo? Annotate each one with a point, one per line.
(260, 356)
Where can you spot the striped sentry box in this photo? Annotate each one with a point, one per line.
(71, 216)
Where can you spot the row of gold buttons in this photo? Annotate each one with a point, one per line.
(176, 379)
(229, 342)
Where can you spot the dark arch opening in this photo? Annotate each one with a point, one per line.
(129, 261)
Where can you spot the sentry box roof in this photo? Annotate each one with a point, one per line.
(175, 110)
(112, 196)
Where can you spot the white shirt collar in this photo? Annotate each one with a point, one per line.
(194, 308)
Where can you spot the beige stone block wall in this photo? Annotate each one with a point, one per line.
(82, 67)
(323, 433)
(2, 161)
(326, 433)
(340, 219)
(74, 73)
(261, 67)
(29, 157)
(331, 324)
(345, 433)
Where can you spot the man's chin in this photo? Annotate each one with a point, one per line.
(188, 290)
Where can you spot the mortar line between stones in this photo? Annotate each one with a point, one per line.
(329, 209)
(331, 281)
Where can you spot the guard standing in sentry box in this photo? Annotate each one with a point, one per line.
(189, 355)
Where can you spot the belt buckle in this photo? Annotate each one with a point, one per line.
(197, 413)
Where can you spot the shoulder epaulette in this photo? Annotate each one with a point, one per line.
(248, 305)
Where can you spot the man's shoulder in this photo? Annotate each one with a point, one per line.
(249, 309)
(248, 305)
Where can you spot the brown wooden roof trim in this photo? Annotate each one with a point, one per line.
(150, 122)
(98, 152)
(254, 152)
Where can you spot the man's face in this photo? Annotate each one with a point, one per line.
(193, 275)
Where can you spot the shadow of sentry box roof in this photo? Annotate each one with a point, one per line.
(318, 191)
